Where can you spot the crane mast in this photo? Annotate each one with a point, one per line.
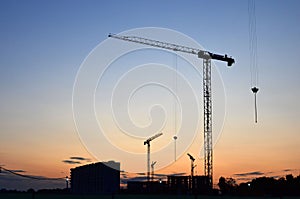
(207, 102)
(207, 109)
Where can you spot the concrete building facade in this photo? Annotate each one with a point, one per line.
(96, 178)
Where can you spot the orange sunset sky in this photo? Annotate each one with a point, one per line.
(44, 46)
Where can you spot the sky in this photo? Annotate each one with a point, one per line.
(44, 45)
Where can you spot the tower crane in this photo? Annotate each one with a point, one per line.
(207, 102)
(152, 170)
(192, 170)
(147, 142)
(192, 164)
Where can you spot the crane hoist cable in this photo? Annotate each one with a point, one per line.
(175, 92)
(253, 52)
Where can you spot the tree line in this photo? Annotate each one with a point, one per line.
(262, 186)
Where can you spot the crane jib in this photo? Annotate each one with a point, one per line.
(201, 54)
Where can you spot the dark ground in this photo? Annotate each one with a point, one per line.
(67, 196)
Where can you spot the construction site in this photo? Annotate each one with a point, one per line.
(149, 99)
(192, 184)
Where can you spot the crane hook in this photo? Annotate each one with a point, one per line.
(255, 90)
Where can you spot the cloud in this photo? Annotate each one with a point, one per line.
(244, 179)
(23, 182)
(125, 176)
(76, 160)
(71, 162)
(178, 174)
(138, 178)
(160, 175)
(18, 171)
(14, 171)
(142, 175)
(285, 170)
(80, 158)
(165, 175)
(254, 173)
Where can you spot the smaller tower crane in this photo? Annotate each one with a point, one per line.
(192, 170)
(147, 142)
(152, 170)
(192, 164)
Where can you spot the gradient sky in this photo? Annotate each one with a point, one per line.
(43, 44)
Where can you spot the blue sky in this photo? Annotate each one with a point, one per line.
(43, 43)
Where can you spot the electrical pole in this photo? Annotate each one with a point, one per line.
(175, 138)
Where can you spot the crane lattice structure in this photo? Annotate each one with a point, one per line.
(147, 142)
(207, 57)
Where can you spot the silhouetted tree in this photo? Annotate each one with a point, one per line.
(288, 186)
(292, 185)
(30, 190)
(227, 185)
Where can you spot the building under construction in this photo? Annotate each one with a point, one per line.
(173, 185)
(188, 184)
(97, 178)
(142, 187)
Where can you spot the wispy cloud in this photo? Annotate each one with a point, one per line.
(244, 179)
(71, 162)
(165, 175)
(23, 182)
(18, 171)
(138, 178)
(160, 175)
(76, 160)
(254, 173)
(80, 158)
(125, 176)
(286, 170)
(177, 174)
